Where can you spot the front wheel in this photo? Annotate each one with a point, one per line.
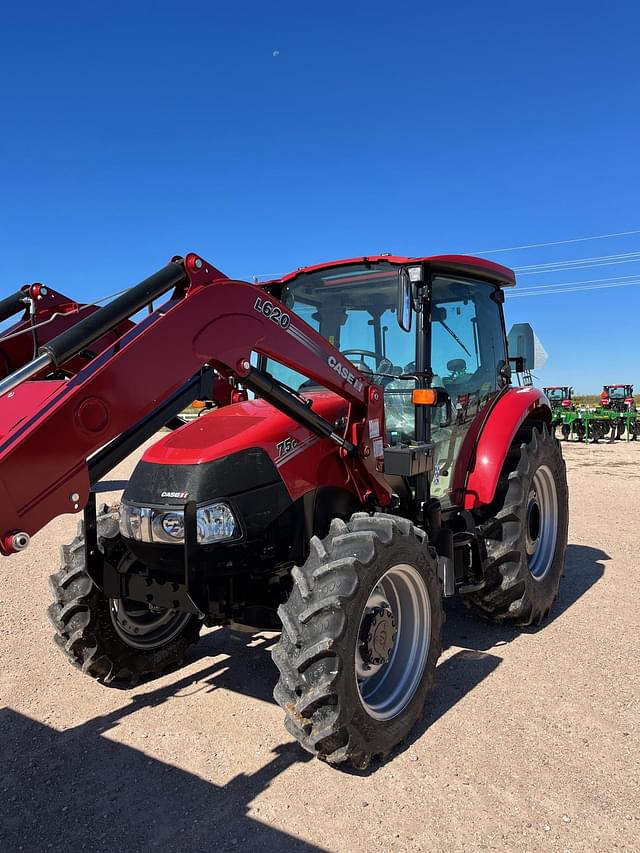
(113, 640)
(360, 639)
(526, 536)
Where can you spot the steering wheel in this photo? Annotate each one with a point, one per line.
(361, 352)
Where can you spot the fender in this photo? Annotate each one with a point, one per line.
(495, 439)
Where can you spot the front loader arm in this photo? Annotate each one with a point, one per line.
(50, 428)
(46, 313)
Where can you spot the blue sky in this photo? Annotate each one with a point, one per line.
(133, 132)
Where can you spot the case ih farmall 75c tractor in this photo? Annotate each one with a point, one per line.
(352, 473)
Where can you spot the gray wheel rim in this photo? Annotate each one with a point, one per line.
(385, 690)
(541, 522)
(143, 627)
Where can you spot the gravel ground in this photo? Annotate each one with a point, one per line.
(529, 742)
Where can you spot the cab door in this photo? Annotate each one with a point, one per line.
(468, 359)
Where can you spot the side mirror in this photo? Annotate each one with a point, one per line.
(404, 310)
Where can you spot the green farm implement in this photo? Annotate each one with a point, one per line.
(615, 418)
(595, 424)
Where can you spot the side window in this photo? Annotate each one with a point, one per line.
(468, 347)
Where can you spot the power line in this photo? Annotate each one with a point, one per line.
(581, 267)
(580, 282)
(555, 291)
(555, 243)
(575, 261)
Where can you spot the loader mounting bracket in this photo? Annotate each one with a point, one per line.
(166, 594)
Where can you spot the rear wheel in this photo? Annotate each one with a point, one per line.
(360, 639)
(526, 536)
(113, 639)
(566, 431)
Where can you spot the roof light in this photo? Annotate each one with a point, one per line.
(415, 274)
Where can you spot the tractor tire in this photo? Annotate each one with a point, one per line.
(566, 431)
(361, 635)
(525, 534)
(113, 640)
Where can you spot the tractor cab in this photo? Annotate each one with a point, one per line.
(456, 348)
(560, 396)
(617, 398)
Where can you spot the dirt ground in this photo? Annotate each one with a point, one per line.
(529, 741)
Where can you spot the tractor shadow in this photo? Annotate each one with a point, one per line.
(463, 671)
(247, 667)
(242, 663)
(583, 569)
(78, 790)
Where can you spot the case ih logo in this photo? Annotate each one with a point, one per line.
(344, 372)
(179, 495)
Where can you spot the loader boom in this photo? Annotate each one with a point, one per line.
(50, 428)
(46, 314)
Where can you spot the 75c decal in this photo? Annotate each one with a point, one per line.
(264, 306)
(285, 446)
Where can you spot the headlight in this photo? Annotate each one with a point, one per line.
(215, 523)
(167, 527)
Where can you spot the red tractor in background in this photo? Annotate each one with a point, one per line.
(560, 397)
(350, 474)
(617, 398)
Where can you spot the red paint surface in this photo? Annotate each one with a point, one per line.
(313, 462)
(43, 455)
(50, 429)
(54, 314)
(495, 439)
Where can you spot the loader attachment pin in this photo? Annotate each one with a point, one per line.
(17, 541)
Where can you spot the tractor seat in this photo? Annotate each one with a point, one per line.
(457, 366)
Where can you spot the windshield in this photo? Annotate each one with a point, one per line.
(557, 393)
(354, 308)
(619, 393)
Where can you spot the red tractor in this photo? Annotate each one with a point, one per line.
(350, 474)
(617, 398)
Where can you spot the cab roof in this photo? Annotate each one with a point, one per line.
(456, 264)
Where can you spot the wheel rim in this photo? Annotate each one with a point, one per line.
(144, 627)
(541, 522)
(393, 642)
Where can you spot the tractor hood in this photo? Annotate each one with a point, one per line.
(236, 449)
